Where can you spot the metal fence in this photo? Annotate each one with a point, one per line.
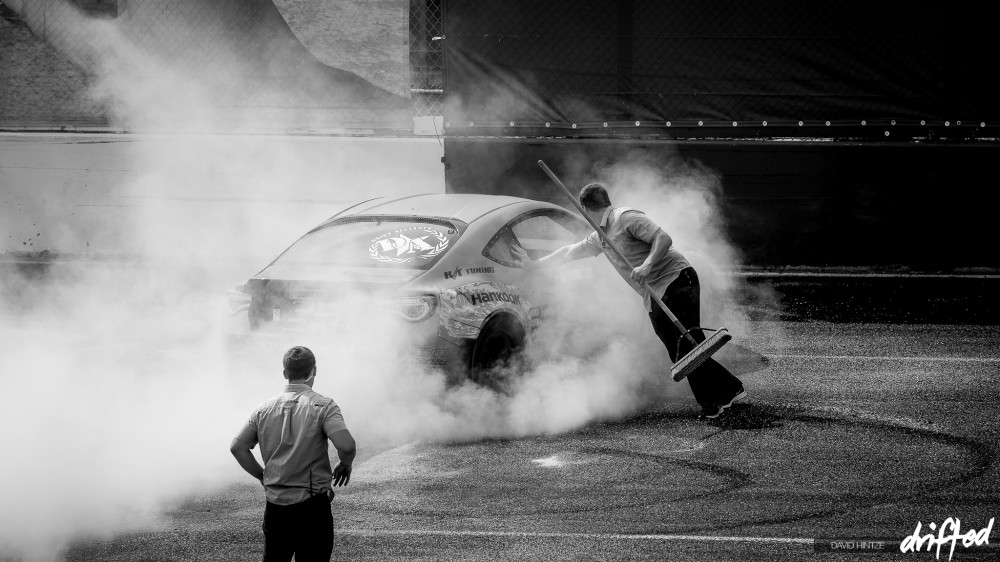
(426, 57)
(39, 87)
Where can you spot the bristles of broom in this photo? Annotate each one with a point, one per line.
(699, 354)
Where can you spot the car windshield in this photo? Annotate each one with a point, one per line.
(379, 242)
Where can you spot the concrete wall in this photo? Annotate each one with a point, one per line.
(179, 197)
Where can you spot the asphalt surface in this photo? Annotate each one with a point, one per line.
(857, 431)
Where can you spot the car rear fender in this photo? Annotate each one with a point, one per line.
(465, 309)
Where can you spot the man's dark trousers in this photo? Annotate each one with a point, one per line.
(304, 529)
(711, 383)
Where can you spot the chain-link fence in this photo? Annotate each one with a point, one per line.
(426, 57)
(39, 87)
(149, 64)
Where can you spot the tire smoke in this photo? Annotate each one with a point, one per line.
(122, 396)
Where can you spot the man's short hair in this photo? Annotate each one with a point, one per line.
(298, 362)
(594, 196)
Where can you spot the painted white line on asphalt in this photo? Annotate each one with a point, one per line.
(605, 536)
(861, 275)
(940, 359)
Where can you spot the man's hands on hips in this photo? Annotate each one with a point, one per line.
(341, 474)
(641, 273)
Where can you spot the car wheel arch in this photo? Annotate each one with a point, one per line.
(501, 341)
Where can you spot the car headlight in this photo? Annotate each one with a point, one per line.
(414, 309)
(238, 300)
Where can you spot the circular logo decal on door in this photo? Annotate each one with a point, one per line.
(408, 244)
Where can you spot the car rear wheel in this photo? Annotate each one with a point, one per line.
(497, 354)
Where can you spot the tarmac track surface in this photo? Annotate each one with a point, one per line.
(856, 431)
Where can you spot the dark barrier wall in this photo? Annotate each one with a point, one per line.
(727, 64)
(883, 207)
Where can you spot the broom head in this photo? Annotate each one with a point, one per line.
(701, 353)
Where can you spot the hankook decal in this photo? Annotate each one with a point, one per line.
(408, 244)
(479, 297)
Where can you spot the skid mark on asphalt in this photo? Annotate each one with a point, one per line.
(981, 455)
(970, 460)
(732, 479)
(409, 466)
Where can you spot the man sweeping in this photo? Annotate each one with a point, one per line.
(653, 261)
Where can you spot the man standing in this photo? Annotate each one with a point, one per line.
(292, 429)
(653, 260)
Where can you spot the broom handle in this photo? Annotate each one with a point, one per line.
(621, 256)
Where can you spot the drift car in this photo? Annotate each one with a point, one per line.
(440, 264)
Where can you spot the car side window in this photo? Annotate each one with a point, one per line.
(539, 233)
(499, 248)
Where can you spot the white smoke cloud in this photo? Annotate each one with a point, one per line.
(681, 196)
(126, 399)
(121, 396)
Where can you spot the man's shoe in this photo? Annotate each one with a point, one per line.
(710, 413)
(714, 411)
(739, 396)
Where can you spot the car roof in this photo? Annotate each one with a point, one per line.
(466, 207)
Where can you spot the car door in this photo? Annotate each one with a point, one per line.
(539, 233)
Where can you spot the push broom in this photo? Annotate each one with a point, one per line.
(701, 352)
